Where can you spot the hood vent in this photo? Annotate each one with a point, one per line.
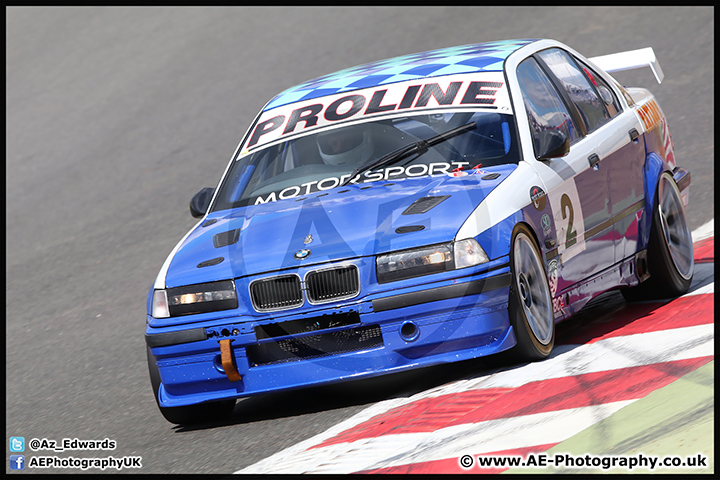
(226, 238)
(423, 205)
(410, 228)
(210, 263)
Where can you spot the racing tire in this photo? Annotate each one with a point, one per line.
(670, 247)
(530, 302)
(191, 414)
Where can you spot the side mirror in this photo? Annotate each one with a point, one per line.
(550, 144)
(200, 202)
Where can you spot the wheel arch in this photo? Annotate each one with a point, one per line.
(497, 240)
(654, 167)
(527, 222)
(530, 229)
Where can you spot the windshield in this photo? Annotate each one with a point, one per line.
(328, 159)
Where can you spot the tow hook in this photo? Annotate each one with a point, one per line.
(227, 361)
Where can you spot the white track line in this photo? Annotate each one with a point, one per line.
(475, 438)
(705, 231)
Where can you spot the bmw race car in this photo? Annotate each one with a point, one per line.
(420, 210)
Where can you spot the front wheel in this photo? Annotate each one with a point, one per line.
(670, 248)
(191, 414)
(530, 305)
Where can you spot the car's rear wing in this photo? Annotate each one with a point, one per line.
(617, 62)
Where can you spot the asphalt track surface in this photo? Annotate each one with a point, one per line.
(117, 116)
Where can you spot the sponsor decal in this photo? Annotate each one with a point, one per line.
(484, 89)
(553, 277)
(650, 115)
(539, 200)
(460, 171)
(545, 223)
(383, 174)
(558, 306)
(668, 144)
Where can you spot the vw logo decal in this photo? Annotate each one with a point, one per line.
(300, 254)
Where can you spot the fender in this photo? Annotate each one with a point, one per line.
(653, 168)
(496, 241)
(682, 179)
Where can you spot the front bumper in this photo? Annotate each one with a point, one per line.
(409, 328)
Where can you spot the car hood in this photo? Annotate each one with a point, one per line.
(342, 223)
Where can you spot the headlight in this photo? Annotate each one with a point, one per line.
(469, 253)
(432, 259)
(160, 304)
(199, 298)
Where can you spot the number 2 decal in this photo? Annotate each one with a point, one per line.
(566, 205)
(569, 220)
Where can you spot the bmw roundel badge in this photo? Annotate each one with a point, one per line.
(300, 254)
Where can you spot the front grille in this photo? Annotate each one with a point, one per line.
(276, 293)
(332, 284)
(323, 285)
(315, 346)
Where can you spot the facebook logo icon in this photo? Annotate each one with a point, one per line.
(17, 462)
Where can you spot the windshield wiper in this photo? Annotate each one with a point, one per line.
(419, 148)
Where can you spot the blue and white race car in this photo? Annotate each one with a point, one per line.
(420, 210)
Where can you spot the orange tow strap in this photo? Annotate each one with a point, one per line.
(227, 362)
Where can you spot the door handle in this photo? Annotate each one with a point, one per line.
(594, 159)
(633, 135)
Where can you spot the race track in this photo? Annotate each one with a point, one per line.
(117, 116)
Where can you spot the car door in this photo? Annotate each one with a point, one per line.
(579, 195)
(622, 151)
(619, 153)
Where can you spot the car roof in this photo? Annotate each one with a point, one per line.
(478, 57)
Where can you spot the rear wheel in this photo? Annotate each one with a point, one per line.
(530, 304)
(200, 413)
(670, 248)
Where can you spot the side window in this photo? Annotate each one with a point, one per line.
(545, 109)
(577, 86)
(603, 89)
